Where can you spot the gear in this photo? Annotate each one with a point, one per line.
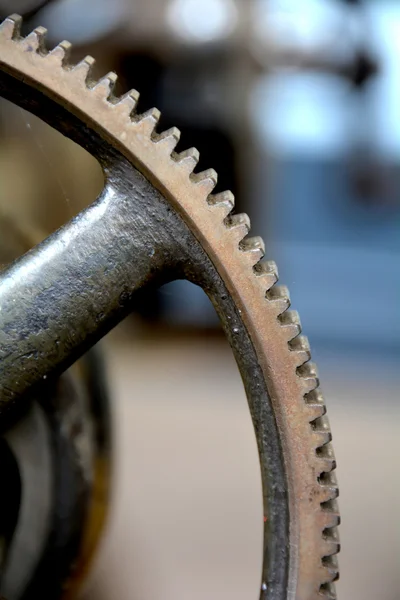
(156, 210)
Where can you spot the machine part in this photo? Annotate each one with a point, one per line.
(61, 449)
(155, 221)
(29, 442)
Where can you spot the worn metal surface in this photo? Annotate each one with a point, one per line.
(146, 228)
(66, 293)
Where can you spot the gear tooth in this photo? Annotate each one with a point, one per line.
(331, 567)
(322, 432)
(253, 248)
(268, 270)
(239, 225)
(330, 511)
(330, 520)
(321, 438)
(328, 591)
(61, 52)
(224, 202)
(148, 121)
(206, 179)
(84, 69)
(105, 86)
(331, 506)
(328, 492)
(279, 296)
(300, 347)
(10, 28)
(325, 460)
(330, 542)
(315, 404)
(127, 103)
(35, 41)
(187, 159)
(328, 479)
(308, 373)
(309, 370)
(291, 324)
(168, 139)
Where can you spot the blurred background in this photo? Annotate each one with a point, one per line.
(295, 104)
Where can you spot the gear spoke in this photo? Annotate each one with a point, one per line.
(66, 293)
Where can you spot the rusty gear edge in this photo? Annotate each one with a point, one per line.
(283, 353)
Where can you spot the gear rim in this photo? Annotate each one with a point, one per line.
(275, 332)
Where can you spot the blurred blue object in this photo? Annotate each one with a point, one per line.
(187, 305)
(340, 258)
(83, 21)
(338, 251)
